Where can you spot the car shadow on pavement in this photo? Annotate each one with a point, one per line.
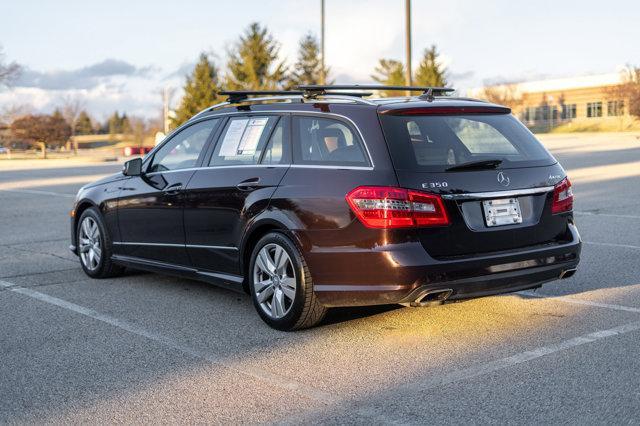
(341, 315)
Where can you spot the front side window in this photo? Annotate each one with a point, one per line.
(436, 142)
(243, 140)
(183, 149)
(324, 141)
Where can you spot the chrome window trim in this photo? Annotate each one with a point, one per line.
(302, 113)
(127, 243)
(323, 166)
(498, 194)
(266, 166)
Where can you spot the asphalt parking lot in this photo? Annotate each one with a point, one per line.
(150, 348)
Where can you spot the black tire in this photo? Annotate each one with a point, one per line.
(105, 267)
(305, 311)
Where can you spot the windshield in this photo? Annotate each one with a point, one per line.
(438, 142)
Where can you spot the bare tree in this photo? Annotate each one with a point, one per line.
(8, 72)
(72, 106)
(628, 91)
(503, 94)
(12, 112)
(41, 131)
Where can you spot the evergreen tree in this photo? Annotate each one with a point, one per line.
(390, 72)
(114, 124)
(253, 62)
(430, 72)
(200, 91)
(125, 125)
(57, 114)
(308, 68)
(83, 124)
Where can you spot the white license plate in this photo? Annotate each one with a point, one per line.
(503, 211)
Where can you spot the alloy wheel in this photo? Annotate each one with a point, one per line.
(274, 280)
(89, 243)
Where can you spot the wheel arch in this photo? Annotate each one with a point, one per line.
(257, 230)
(80, 208)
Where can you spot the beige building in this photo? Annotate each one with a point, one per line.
(573, 104)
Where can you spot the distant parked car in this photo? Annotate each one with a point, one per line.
(3, 150)
(128, 151)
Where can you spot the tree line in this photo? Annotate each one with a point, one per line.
(254, 63)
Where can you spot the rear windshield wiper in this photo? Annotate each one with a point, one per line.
(481, 164)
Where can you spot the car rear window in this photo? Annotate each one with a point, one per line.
(437, 142)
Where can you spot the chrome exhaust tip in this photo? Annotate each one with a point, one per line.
(568, 273)
(432, 297)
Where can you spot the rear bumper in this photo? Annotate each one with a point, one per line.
(401, 273)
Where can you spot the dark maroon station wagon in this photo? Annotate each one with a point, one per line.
(319, 197)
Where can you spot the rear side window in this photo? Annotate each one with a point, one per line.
(436, 142)
(324, 141)
(243, 140)
(277, 150)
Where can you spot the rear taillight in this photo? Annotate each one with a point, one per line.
(562, 197)
(389, 207)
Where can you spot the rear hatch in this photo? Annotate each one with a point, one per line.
(495, 178)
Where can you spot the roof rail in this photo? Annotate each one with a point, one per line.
(237, 96)
(312, 90)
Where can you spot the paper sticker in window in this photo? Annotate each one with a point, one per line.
(233, 137)
(251, 136)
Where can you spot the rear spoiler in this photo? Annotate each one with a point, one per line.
(448, 110)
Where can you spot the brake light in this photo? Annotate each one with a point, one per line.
(389, 207)
(562, 197)
(436, 110)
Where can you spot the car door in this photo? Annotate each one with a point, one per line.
(150, 207)
(246, 165)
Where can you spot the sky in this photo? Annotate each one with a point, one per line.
(118, 55)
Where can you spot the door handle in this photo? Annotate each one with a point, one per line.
(172, 189)
(248, 184)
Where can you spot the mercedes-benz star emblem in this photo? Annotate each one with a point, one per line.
(503, 179)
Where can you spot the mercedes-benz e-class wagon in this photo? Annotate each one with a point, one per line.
(314, 198)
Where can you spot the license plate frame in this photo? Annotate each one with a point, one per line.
(502, 212)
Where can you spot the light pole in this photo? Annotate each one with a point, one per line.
(167, 93)
(322, 72)
(407, 18)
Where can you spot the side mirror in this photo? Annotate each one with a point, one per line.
(132, 167)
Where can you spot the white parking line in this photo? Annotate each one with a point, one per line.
(255, 373)
(304, 390)
(419, 387)
(38, 192)
(574, 301)
(623, 216)
(612, 245)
